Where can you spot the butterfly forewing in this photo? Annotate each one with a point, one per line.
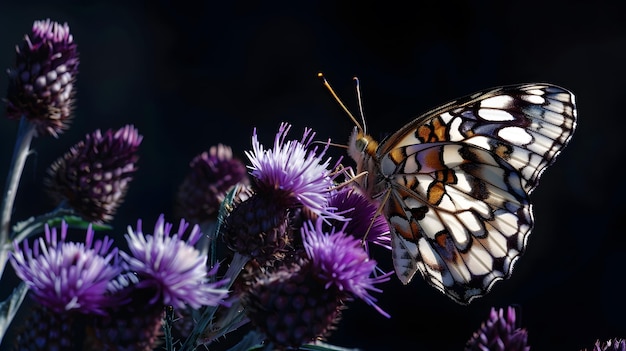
(527, 125)
(456, 183)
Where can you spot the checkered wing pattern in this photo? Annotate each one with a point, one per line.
(454, 183)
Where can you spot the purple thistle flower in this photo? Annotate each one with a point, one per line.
(41, 85)
(359, 211)
(609, 345)
(94, 175)
(499, 333)
(293, 173)
(172, 266)
(211, 176)
(339, 260)
(286, 179)
(68, 276)
(299, 301)
(291, 307)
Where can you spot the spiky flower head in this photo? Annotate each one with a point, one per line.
(295, 174)
(94, 175)
(300, 302)
(41, 84)
(286, 178)
(362, 214)
(171, 269)
(609, 345)
(68, 276)
(339, 260)
(210, 177)
(499, 333)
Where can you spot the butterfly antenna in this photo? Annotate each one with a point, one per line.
(343, 106)
(360, 100)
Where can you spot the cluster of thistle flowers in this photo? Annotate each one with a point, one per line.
(295, 238)
(88, 294)
(304, 239)
(300, 269)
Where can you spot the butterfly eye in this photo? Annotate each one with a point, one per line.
(361, 144)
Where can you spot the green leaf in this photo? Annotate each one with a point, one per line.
(78, 223)
(34, 225)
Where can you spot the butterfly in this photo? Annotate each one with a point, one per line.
(454, 183)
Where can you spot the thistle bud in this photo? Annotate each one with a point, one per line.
(94, 175)
(41, 84)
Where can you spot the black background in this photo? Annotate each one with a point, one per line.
(189, 75)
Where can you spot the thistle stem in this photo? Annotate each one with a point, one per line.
(25, 135)
(236, 265)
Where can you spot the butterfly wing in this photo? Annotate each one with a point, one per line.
(457, 182)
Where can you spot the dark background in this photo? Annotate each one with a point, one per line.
(189, 75)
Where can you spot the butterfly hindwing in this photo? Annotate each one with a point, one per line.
(455, 183)
(461, 221)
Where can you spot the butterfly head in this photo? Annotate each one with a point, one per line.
(361, 144)
(362, 149)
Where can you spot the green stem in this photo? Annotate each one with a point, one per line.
(236, 265)
(25, 135)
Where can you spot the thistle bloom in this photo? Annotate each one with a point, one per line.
(364, 221)
(292, 172)
(211, 176)
(300, 302)
(41, 85)
(499, 333)
(68, 276)
(171, 267)
(286, 178)
(340, 260)
(94, 175)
